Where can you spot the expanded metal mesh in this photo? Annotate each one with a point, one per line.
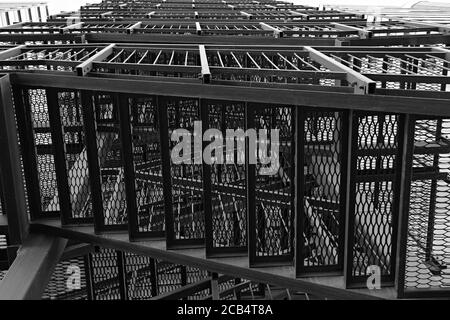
(36, 101)
(187, 187)
(275, 192)
(147, 163)
(60, 286)
(323, 143)
(110, 160)
(428, 245)
(105, 274)
(76, 156)
(374, 193)
(138, 273)
(229, 209)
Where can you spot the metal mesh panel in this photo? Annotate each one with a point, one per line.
(37, 100)
(323, 136)
(195, 275)
(76, 155)
(428, 246)
(274, 193)
(110, 160)
(229, 213)
(138, 273)
(105, 275)
(169, 277)
(187, 188)
(147, 162)
(58, 289)
(374, 193)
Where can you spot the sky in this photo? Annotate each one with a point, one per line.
(56, 6)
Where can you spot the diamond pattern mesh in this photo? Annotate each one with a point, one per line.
(322, 220)
(110, 160)
(374, 191)
(229, 213)
(37, 101)
(428, 245)
(187, 188)
(138, 276)
(76, 155)
(105, 275)
(57, 287)
(275, 195)
(147, 162)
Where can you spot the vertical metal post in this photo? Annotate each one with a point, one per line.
(11, 181)
(123, 287)
(166, 171)
(184, 280)
(90, 290)
(90, 129)
(346, 156)
(215, 286)
(28, 148)
(39, 13)
(405, 172)
(207, 192)
(350, 196)
(59, 147)
(299, 163)
(128, 164)
(250, 170)
(237, 281)
(154, 277)
(433, 194)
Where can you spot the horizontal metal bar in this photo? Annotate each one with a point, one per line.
(364, 34)
(85, 67)
(135, 26)
(66, 29)
(399, 104)
(360, 83)
(11, 52)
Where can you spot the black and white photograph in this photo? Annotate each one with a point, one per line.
(231, 159)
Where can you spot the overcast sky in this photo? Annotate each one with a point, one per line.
(56, 6)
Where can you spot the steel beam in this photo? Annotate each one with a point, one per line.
(86, 66)
(276, 32)
(360, 83)
(66, 29)
(11, 179)
(135, 26)
(206, 73)
(11, 52)
(30, 272)
(363, 34)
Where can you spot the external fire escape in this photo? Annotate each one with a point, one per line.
(89, 101)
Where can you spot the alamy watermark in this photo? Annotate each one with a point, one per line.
(374, 280)
(73, 281)
(189, 148)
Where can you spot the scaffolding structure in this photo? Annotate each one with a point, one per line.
(362, 113)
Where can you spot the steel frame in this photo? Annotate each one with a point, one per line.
(252, 64)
